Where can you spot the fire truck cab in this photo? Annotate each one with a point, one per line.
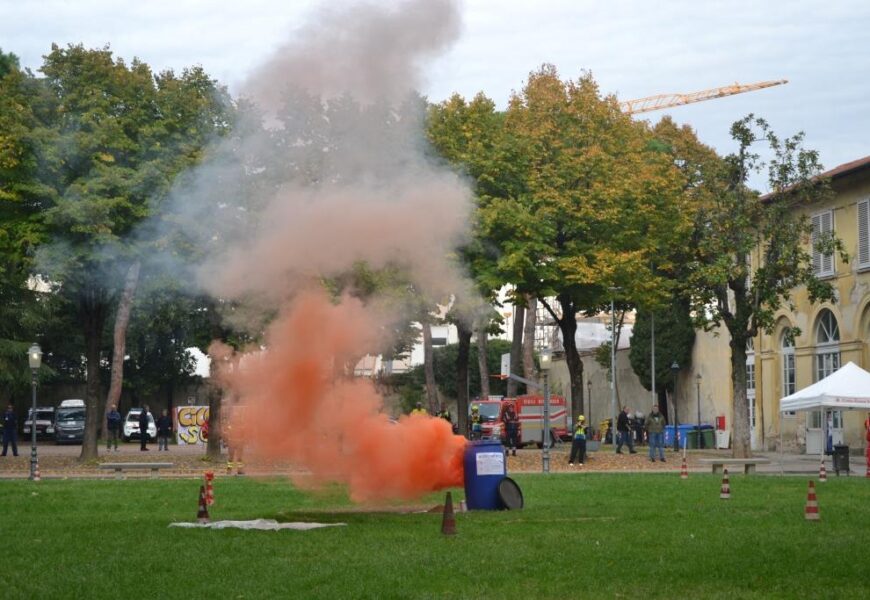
(530, 410)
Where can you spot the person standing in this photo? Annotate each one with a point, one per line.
(623, 432)
(419, 410)
(578, 444)
(512, 427)
(113, 427)
(164, 430)
(655, 429)
(10, 429)
(476, 423)
(143, 429)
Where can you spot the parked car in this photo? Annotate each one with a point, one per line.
(69, 423)
(131, 425)
(44, 421)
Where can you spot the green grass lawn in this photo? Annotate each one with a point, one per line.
(580, 536)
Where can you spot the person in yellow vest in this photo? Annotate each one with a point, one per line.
(578, 445)
(419, 410)
(476, 422)
(234, 439)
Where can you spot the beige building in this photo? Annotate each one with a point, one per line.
(831, 335)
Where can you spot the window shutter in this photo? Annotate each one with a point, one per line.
(817, 257)
(864, 233)
(827, 229)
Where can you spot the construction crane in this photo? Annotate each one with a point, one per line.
(661, 101)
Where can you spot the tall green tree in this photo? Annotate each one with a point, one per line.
(596, 204)
(731, 288)
(113, 140)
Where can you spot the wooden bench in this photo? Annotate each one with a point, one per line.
(119, 468)
(749, 464)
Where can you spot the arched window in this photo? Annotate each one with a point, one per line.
(788, 370)
(827, 345)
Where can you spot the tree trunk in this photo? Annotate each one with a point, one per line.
(529, 338)
(213, 446)
(429, 369)
(516, 349)
(740, 436)
(462, 376)
(93, 313)
(568, 328)
(482, 365)
(122, 320)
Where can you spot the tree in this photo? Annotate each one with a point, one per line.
(731, 287)
(596, 203)
(114, 138)
(674, 339)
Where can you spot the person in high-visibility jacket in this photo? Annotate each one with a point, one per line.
(578, 445)
(476, 422)
(419, 410)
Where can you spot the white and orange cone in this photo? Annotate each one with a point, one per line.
(725, 493)
(823, 473)
(36, 476)
(448, 521)
(868, 460)
(684, 469)
(811, 512)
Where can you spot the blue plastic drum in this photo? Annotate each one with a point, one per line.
(485, 467)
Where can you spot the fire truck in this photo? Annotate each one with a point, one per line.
(530, 410)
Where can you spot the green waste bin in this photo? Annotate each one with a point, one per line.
(706, 436)
(709, 438)
(692, 439)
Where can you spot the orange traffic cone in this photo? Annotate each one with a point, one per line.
(823, 474)
(725, 492)
(448, 523)
(811, 512)
(684, 469)
(202, 515)
(868, 460)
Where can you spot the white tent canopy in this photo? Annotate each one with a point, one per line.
(848, 388)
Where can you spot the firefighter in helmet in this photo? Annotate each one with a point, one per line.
(476, 422)
(233, 436)
(512, 427)
(419, 410)
(578, 445)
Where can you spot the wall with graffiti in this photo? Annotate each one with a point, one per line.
(192, 424)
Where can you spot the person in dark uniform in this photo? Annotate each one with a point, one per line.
(476, 422)
(623, 432)
(113, 427)
(164, 430)
(10, 429)
(512, 427)
(143, 429)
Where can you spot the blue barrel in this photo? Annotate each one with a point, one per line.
(485, 467)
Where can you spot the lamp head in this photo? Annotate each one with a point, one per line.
(34, 356)
(546, 360)
(675, 367)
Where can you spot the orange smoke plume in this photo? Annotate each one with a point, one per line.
(291, 405)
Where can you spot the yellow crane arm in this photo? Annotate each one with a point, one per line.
(667, 100)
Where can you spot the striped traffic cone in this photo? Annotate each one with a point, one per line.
(868, 460)
(36, 476)
(725, 493)
(811, 512)
(684, 469)
(448, 522)
(823, 474)
(202, 514)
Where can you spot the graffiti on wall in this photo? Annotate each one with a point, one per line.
(192, 424)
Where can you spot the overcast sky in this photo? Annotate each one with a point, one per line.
(633, 48)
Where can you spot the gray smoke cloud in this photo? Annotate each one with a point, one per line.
(329, 166)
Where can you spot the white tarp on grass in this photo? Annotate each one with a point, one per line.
(848, 388)
(260, 524)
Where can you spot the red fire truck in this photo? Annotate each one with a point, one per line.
(530, 410)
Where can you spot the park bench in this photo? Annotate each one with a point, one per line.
(119, 468)
(748, 463)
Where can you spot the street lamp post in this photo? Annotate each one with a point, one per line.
(546, 363)
(675, 369)
(613, 291)
(34, 357)
(589, 398)
(698, 384)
